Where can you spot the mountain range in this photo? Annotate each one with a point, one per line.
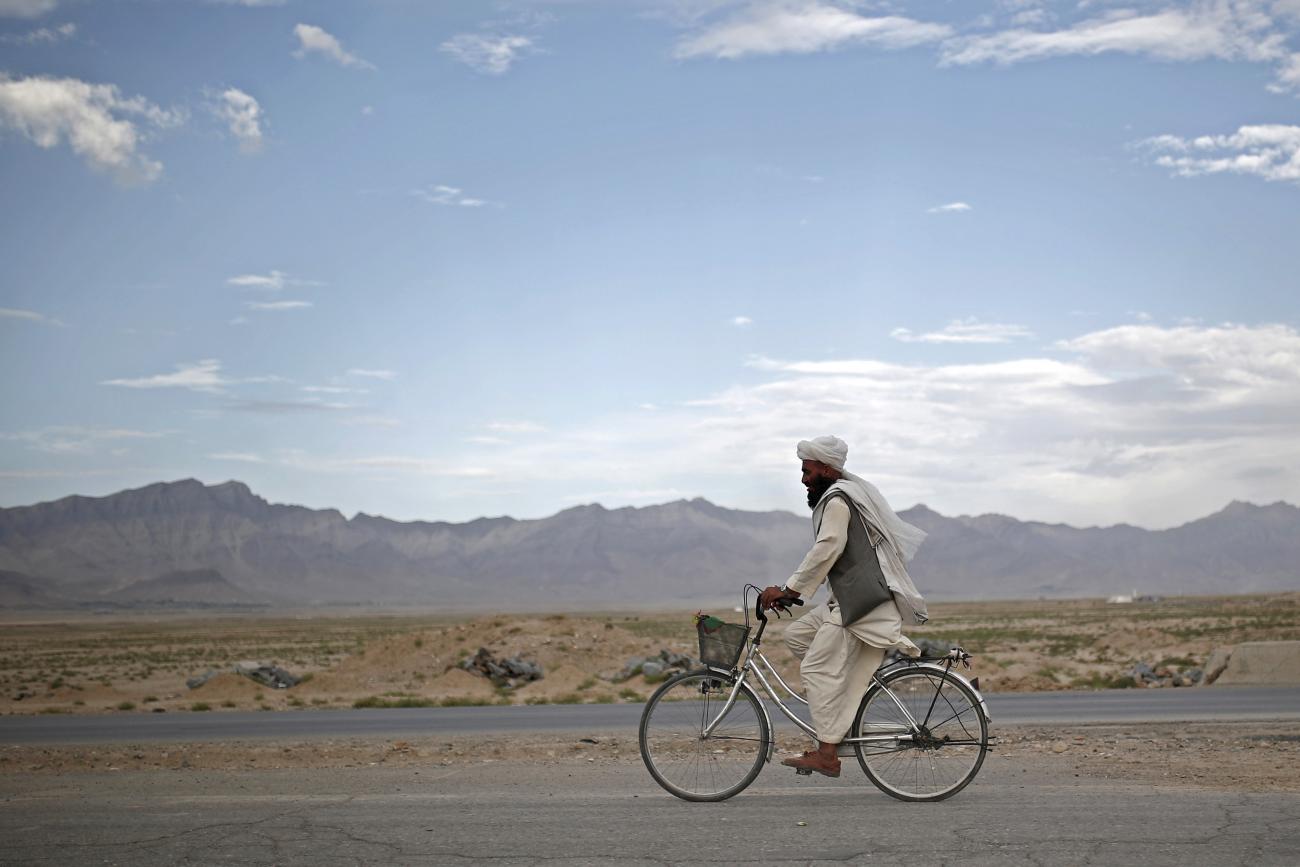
(186, 543)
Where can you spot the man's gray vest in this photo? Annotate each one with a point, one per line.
(856, 578)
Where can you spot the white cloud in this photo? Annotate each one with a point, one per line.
(965, 331)
(742, 321)
(241, 457)
(26, 8)
(440, 194)
(492, 55)
(1288, 75)
(333, 389)
(1197, 31)
(804, 27)
(277, 305)
(273, 281)
(950, 208)
(1140, 423)
(64, 439)
(1268, 151)
(515, 427)
(28, 315)
(370, 373)
(422, 466)
(373, 421)
(41, 35)
(202, 375)
(244, 116)
(314, 40)
(91, 118)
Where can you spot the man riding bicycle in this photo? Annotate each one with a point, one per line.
(861, 549)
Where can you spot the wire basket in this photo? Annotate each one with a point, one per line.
(721, 643)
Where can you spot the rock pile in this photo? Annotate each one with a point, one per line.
(507, 673)
(266, 674)
(654, 666)
(1163, 675)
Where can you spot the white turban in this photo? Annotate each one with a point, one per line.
(830, 450)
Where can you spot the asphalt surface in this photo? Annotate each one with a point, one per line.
(1017, 813)
(1112, 706)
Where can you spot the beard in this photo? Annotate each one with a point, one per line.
(817, 489)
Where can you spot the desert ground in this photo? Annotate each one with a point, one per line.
(139, 663)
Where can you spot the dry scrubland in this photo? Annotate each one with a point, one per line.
(140, 664)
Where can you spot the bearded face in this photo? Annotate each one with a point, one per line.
(816, 488)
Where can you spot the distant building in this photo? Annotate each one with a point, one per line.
(1123, 599)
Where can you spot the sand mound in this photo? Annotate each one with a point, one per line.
(458, 683)
(564, 680)
(228, 686)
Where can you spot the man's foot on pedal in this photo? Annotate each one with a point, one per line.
(813, 761)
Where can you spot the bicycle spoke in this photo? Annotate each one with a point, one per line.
(931, 764)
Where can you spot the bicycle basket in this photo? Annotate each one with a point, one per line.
(721, 643)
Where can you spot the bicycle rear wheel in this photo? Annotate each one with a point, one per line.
(682, 758)
(943, 757)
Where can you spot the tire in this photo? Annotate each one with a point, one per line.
(952, 745)
(689, 765)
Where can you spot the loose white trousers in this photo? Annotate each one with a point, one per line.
(836, 663)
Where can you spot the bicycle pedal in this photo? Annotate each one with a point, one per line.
(803, 772)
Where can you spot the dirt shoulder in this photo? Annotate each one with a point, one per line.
(1254, 757)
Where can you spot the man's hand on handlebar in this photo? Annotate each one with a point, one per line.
(778, 599)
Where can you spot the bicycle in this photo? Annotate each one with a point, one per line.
(920, 732)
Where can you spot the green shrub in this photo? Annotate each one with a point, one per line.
(199, 706)
(126, 705)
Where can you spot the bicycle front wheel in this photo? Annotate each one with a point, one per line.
(684, 759)
(932, 763)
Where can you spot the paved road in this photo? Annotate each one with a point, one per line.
(1018, 813)
(1122, 705)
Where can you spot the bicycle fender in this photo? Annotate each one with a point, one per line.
(939, 669)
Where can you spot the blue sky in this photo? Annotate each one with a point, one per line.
(442, 260)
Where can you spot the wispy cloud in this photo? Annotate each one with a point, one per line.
(243, 114)
(241, 457)
(1269, 151)
(491, 55)
(440, 194)
(1288, 75)
(371, 373)
(202, 375)
(66, 439)
(26, 8)
(41, 35)
(333, 389)
(272, 281)
(965, 331)
(278, 305)
(741, 321)
(289, 407)
(515, 427)
(315, 40)
(803, 27)
(28, 315)
(950, 208)
(1197, 31)
(1141, 423)
(95, 120)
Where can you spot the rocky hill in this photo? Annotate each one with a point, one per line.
(156, 542)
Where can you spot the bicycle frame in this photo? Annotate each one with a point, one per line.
(755, 662)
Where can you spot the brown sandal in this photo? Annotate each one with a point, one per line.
(811, 761)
